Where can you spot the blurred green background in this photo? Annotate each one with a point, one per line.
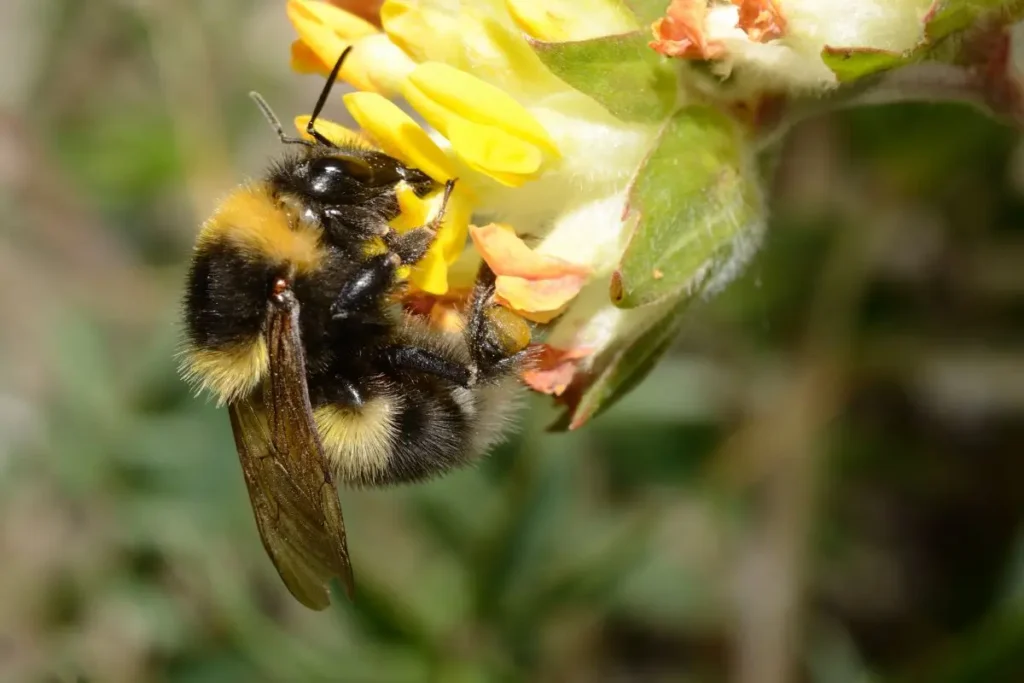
(823, 482)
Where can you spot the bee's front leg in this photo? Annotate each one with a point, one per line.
(412, 245)
(363, 292)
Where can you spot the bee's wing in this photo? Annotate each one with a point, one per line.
(290, 483)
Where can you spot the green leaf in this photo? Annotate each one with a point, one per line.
(850, 64)
(647, 11)
(622, 74)
(697, 210)
(623, 368)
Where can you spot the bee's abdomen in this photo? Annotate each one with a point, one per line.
(401, 433)
(225, 296)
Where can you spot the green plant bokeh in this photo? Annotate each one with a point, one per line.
(839, 432)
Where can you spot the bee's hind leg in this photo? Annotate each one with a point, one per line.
(497, 338)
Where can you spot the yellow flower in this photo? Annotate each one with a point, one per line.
(499, 120)
(605, 179)
(534, 156)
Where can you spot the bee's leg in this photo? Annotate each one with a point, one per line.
(483, 294)
(363, 291)
(347, 393)
(421, 360)
(412, 245)
(496, 337)
(343, 223)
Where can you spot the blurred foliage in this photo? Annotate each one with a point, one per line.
(821, 482)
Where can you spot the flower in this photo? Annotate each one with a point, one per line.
(604, 178)
(778, 43)
(528, 149)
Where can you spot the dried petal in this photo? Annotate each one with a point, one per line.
(538, 300)
(554, 369)
(507, 254)
(681, 32)
(762, 20)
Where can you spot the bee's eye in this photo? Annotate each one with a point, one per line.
(328, 173)
(339, 179)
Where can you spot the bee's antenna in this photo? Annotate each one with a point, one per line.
(271, 118)
(323, 99)
(275, 123)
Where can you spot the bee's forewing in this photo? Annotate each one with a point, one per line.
(290, 483)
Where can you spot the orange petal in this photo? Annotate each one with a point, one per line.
(531, 297)
(508, 255)
(554, 369)
(762, 20)
(680, 33)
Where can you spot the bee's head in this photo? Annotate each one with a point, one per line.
(328, 176)
(244, 253)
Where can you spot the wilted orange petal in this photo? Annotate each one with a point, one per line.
(762, 20)
(554, 369)
(507, 254)
(680, 33)
(530, 297)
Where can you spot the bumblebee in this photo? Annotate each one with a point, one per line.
(290, 319)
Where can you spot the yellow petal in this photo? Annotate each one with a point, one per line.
(413, 211)
(489, 150)
(474, 37)
(422, 31)
(398, 135)
(326, 43)
(305, 61)
(336, 133)
(455, 226)
(381, 62)
(430, 274)
(565, 20)
(440, 91)
(344, 25)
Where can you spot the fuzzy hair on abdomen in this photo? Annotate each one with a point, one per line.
(412, 426)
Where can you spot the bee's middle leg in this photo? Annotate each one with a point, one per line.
(420, 360)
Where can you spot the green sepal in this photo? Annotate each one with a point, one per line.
(695, 204)
(621, 73)
(647, 11)
(852, 63)
(620, 370)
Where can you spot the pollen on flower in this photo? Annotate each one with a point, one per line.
(681, 32)
(762, 20)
